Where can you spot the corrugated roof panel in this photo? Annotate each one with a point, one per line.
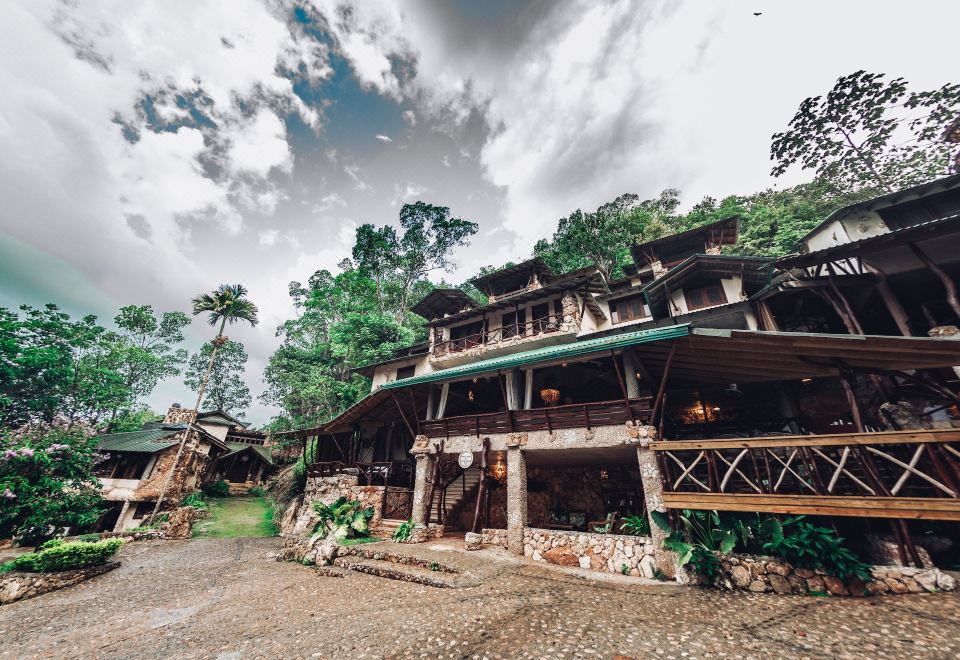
(545, 354)
(148, 441)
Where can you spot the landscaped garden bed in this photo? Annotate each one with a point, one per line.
(55, 565)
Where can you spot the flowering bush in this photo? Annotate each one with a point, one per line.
(47, 482)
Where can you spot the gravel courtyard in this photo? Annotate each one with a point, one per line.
(229, 598)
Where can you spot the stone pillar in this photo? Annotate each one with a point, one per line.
(653, 495)
(630, 374)
(947, 332)
(421, 484)
(516, 499)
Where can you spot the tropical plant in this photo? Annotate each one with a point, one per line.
(257, 491)
(635, 525)
(195, 500)
(806, 545)
(701, 537)
(46, 481)
(403, 531)
(218, 488)
(343, 519)
(228, 304)
(59, 556)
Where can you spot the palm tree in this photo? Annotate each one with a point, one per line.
(228, 304)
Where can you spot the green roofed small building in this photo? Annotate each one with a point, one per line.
(136, 464)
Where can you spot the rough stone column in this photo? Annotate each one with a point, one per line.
(516, 499)
(947, 332)
(122, 518)
(421, 485)
(653, 495)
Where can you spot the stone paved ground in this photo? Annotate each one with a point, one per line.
(228, 598)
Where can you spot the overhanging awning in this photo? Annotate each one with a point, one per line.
(546, 354)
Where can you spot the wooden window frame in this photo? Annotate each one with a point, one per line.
(702, 300)
(615, 305)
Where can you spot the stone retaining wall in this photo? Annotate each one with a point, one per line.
(494, 537)
(16, 586)
(300, 518)
(768, 574)
(611, 553)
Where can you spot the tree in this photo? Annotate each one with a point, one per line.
(227, 304)
(868, 133)
(46, 480)
(602, 238)
(395, 263)
(147, 350)
(225, 388)
(52, 365)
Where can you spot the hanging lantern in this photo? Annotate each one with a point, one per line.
(470, 395)
(550, 396)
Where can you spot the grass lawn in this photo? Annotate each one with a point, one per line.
(232, 517)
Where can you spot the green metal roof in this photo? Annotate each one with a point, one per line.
(260, 450)
(545, 354)
(148, 441)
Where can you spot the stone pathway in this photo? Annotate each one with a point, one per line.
(228, 598)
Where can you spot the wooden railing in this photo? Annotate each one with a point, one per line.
(546, 325)
(575, 415)
(382, 473)
(893, 474)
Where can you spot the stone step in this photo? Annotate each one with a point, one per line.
(404, 573)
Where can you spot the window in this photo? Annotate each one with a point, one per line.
(708, 296)
(406, 372)
(628, 309)
(514, 323)
(541, 318)
(467, 336)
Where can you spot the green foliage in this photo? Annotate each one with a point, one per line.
(227, 304)
(358, 316)
(868, 132)
(46, 481)
(624, 569)
(218, 488)
(132, 419)
(403, 531)
(806, 545)
(225, 389)
(7, 566)
(434, 566)
(358, 540)
(343, 519)
(67, 556)
(257, 491)
(195, 500)
(635, 525)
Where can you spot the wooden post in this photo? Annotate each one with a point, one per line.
(623, 385)
(413, 406)
(948, 284)
(852, 402)
(435, 477)
(767, 320)
(404, 417)
(663, 384)
(844, 308)
(482, 488)
(897, 312)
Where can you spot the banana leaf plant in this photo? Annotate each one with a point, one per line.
(343, 519)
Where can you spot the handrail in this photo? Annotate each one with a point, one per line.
(543, 325)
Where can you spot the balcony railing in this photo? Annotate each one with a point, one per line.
(576, 415)
(542, 326)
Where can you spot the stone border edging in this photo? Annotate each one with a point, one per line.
(17, 585)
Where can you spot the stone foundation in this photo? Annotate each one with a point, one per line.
(609, 553)
(300, 518)
(768, 574)
(494, 537)
(16, 586)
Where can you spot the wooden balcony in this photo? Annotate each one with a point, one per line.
(507, 336)
(577, 415)
(891, 474)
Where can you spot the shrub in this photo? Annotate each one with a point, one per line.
(257, 491)
(195, 500)
(343, 519)
(219, 488)
(46, 482)
(67, 556)
(403, 531)
(806, 545)
(635, 525)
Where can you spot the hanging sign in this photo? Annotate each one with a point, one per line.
(465, 459)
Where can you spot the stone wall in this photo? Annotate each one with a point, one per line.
(16, 586)
(300, 518)
(610, 553)
(494, 537)
(767, 574)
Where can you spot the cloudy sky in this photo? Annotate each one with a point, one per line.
(151, 150)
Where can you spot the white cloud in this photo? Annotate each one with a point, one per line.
(354, 172)
(259, 144)
(407, 192)
(383, 138)
(268, 237)
(327, 202)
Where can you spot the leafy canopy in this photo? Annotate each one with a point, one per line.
(225, 389)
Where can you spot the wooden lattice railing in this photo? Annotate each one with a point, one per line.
(895, 474)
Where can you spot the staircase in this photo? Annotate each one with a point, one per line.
(387, 527)
(459, 492)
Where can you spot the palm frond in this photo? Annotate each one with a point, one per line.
(228, 303)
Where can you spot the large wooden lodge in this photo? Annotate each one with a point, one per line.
(823, 383)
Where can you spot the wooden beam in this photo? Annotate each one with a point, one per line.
(951, 288)
(663, 383)
(916, 508)
(826, 440)
(404, 417)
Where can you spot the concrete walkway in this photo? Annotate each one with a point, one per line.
(228, 598)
